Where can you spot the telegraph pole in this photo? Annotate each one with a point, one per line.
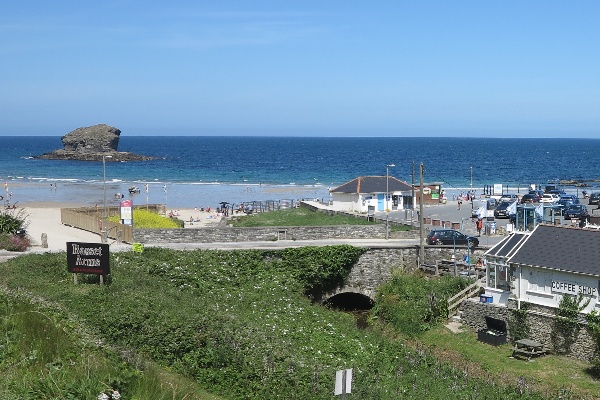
(412, 206)
(421, 228)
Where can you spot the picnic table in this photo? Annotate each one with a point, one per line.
(528, 348)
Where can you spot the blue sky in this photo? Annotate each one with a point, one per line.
(304, 68)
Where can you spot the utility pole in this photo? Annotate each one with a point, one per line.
(412, 206)
(421, 227)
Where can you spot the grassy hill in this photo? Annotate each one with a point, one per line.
(237, 324)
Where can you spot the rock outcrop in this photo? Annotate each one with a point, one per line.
(92, 143)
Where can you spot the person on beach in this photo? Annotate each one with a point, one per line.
(479, 226)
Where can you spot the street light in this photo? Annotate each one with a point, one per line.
(104, 157)
(387, 195)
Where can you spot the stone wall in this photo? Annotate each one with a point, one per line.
(541, 321)
(378, 264)
(258, 234)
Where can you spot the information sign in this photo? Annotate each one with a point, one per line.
(88, 258)
(127, 212)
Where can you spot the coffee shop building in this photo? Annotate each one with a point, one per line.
(542, 266)
(532, 272)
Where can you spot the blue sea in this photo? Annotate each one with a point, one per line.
(202, 171)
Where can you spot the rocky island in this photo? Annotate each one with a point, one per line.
(92, 143)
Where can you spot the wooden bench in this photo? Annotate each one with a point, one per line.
(528, 348)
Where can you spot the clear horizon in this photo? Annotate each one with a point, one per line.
(334, 69)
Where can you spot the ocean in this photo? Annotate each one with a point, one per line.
(202, 171)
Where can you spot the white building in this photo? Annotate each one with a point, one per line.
(370, 191)
(542, 266)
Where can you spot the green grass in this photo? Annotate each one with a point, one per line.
(43, 357)
(238, 324)
(300, 216)
(550, 373)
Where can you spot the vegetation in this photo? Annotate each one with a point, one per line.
(412, 304)
(568, 322)
(558, 376)
(11, 221)
(519, 325)
(300, 216)
(238, 323)
(147, 219)
(43, 357)
(593, 320)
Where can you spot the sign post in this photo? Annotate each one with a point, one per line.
(88, 258)
(343, 382)
(127, 212)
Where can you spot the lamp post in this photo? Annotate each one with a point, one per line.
(104, 157)
(471, 191)
(387, 195)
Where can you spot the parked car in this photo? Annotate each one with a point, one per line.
(567, 199)
(529, 198)
(558, 192)
(537, 193)
(508, 197)
(550, 198)
(575, 211)
(451, 237)
(594, 198)
(502, 210)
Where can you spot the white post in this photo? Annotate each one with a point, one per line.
(386, 203)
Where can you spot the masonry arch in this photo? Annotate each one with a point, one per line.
(348, 298)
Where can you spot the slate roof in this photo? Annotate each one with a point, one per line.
(372, 184)
(561, 248)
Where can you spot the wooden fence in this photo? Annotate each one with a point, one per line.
(457, 299)
(90, 219)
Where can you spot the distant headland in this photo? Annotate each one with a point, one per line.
(93, 143)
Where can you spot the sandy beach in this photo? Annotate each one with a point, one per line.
(44, 218)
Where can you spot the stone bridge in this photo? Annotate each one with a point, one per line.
(378, 264)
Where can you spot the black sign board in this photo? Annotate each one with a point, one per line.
(88, 258)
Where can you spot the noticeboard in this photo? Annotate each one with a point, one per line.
(88, 258)
(127, 212)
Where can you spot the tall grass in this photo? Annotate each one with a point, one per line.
(42, 357)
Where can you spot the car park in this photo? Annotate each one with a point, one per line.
(451, 237)
(502, 210)
(594, 198)
(575, 211)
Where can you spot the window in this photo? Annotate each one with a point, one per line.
(540, 281)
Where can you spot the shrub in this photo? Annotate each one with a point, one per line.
(12, 219)
(14, 242)
(413, 304)
(148, 219)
